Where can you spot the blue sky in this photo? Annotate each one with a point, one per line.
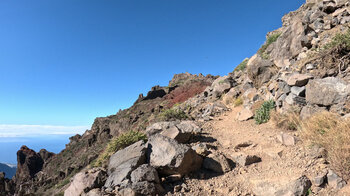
(65, 62)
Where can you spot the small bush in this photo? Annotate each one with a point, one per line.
(238, 102)
(341, 40)
(288, 121)
(242, 65)
(331, 132)
(271, 39)
(122, 141)
(173, 114)
(262, 115)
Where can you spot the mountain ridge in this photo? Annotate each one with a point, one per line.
(302, 67)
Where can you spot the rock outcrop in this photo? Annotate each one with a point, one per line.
(28, 164)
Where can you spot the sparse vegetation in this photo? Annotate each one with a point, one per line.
(331, 132)
(262, 115)
(341, 40)
(173, 114)
(221, 82)
(238, 102)
(63, 182)
(333, 55)
(289, 121)
(309, 192)
(118, 143)
(242, 65)
(270, 39)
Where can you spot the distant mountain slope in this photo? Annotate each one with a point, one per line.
(9, 170)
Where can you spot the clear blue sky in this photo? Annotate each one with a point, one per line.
(65, 62)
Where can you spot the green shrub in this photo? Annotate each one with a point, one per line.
(262, 115)
(271, 39)
(242, 65)
(173, 114)
(124, 140)
(339, 40)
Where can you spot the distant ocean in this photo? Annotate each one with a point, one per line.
(10, 145)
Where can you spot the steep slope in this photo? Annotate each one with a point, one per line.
(303, 67)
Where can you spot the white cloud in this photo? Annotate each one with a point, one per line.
(39, 130)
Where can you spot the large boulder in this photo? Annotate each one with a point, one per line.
(260, 70)
(328, 92)
(181, 131)
(85, 181)
(170, 157)
(123, 162)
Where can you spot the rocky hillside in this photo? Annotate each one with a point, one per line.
(276, 125)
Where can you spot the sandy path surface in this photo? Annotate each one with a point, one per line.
(280, 164)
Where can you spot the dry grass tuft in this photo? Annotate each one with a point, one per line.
(238, 101)
(289, 121)
(332, 132)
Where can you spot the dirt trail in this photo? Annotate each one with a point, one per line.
(280, 164)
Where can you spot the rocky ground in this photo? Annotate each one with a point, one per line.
(282, 161)
(199, 143)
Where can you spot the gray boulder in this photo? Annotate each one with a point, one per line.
(145, 181)
(145, 172)
(319, 180)
(170, 157)
(298, 187)
(217, 163)
(123, 162)
(181, 131)
(334, 180)
(328, 92)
